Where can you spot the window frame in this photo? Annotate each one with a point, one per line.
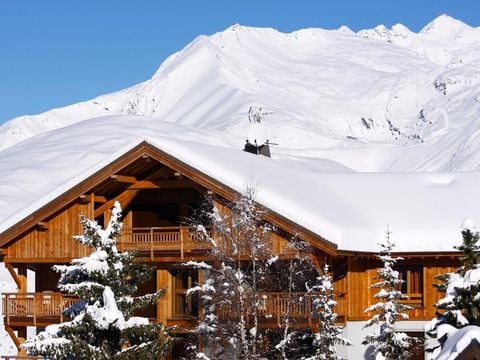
(416, 297)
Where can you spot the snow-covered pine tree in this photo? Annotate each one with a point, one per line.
(461, 304)
(390, 344)
(329, 335)
(235, 279)
(103, 325)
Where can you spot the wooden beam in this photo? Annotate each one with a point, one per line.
(124, 179)
(14, 337)
(162, 184)
(124, 199)
(14, 275)
(100, 199)
(159, 174)
(84, 199)
(129, 194)
(42, 225)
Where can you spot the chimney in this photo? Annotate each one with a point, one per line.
(257, 140)
(257, 150)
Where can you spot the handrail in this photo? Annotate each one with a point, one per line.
(273, 306)
(152, 239)
(155, 228)
(36, 307)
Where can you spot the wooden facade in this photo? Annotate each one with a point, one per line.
(157, 193)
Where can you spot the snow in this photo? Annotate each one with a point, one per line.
(380, 100)
(350, 210)
(468, 224)
(257, 134)
(458, 341)
(390, 103)
(108, 314)
(431, 103)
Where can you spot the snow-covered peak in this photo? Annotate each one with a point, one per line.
(345, 30)
(445, 26)
(401, 29)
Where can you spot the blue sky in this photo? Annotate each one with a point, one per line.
(54, 53)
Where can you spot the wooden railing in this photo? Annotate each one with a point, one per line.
(154, 239)
(35, 309)
(274, 307)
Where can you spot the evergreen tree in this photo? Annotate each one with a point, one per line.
(390, 344)
(103, 325)
(329, 335)
(461, 303)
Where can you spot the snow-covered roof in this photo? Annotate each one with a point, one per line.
(424, 210)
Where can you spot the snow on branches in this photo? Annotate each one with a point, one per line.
(460, 306)
(103, 325)
(329, 335)
(234, 279)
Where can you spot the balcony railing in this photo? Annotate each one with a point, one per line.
(275, 307)
(35, 309)
(41, 309)
(153, 239)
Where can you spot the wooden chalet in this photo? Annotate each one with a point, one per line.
(157, 192)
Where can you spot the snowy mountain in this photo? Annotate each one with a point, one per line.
(377, 100)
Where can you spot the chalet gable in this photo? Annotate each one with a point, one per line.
(141, 168)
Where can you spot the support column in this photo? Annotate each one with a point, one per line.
(22, 275)
(164, 305)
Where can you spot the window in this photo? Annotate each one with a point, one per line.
(413, 285)
(184, 306)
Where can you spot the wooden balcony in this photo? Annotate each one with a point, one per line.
(35, 309)
(160, 239)
(275, 306)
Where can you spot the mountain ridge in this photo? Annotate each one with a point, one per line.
(334, 94)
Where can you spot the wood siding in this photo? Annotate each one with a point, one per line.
(362, 272)
(52, 241)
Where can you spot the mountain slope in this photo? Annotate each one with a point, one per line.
(377, 100)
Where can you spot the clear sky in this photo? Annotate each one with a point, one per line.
(58, 52)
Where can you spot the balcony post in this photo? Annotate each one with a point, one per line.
(151, 243)
(22, 274)
(279, 308)
(61, 307)
(7, 307)
(35, 307)
(182, 239)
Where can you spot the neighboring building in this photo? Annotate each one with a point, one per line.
(160, 182)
